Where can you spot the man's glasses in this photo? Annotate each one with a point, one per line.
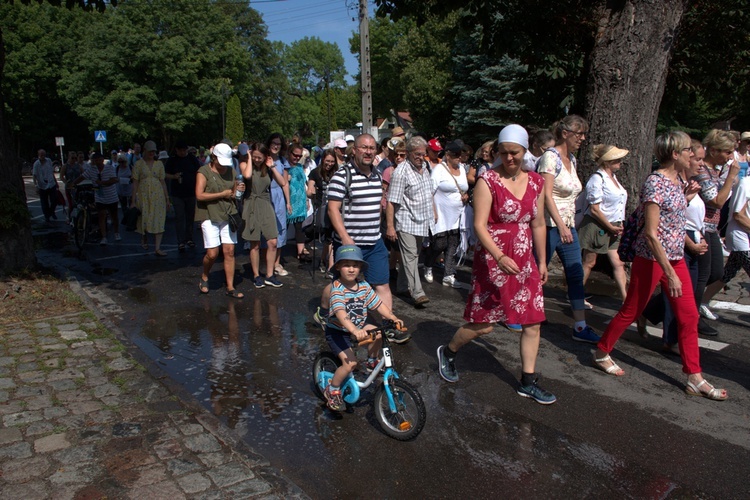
(401, 155)
(292, 155)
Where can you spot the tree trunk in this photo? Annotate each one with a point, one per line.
(626, 81)
(16, 242)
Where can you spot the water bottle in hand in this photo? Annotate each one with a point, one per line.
(240, 182)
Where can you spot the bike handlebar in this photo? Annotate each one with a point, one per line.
(375, 333)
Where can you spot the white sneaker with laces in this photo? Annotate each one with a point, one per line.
(451, 281)
(118, 237)
(707, 313)
(103, 241)
(428, 275)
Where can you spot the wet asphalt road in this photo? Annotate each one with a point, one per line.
(249, 362)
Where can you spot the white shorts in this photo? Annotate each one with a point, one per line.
(216, 233)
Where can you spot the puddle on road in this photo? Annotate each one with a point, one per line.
(249, 363)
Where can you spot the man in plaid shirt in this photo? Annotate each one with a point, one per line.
(410, 215)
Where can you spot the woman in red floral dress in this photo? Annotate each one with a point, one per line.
(506, 279)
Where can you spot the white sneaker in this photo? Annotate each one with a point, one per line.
(103, 242)
(451, 281)
(281, 271)
(707, 313)
(428, 274)
(724, 249)
(118, 237)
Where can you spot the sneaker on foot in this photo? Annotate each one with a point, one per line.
(258, 282)
(707, 313)
(586, 335)
(513, 327)
(428, 274)
(281, 271)
(370, 365)
(319, 318)
(446, 366)
(451, 281)
(118, 237)
(536, 393)
(273, 281)
(103, 241)
(397, 336)
(334, 401)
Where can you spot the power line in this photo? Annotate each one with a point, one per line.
(313, 6)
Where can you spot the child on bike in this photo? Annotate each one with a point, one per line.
(351, 298)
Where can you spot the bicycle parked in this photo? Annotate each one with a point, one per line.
(399, 408)
(83, 212)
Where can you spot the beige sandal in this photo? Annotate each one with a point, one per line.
(613, 369)
(713, 394)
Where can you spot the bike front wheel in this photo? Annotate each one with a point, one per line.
(324, 362)
(410, 416)
(80, 229)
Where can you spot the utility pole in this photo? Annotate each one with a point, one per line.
(364, 61)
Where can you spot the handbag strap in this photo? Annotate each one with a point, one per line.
(452, 177)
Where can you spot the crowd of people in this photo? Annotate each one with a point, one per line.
(514, 203)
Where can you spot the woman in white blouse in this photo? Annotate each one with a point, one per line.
(450, 195)
(602, 223)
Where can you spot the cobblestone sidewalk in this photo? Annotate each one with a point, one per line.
(82, 419)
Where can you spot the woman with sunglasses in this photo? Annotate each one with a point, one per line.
(561, 187)
(295, 177)
(279, 194)
(659, 258)
(317, 189)
(715, 192)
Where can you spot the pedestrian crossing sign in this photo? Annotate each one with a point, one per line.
(100, 136)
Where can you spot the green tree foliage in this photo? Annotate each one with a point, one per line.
(163, 77)
(488, 91)
(385, 64)
(36, 38)
(709, 76)
(317, 97)
(235, 128)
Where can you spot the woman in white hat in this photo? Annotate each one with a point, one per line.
(600, 230)
(506, 278)
(150, 196)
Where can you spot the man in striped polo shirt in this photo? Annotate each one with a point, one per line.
(355, 217)
(105, 182)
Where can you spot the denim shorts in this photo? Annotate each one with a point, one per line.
(338, 340)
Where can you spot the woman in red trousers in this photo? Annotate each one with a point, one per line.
(659, 259)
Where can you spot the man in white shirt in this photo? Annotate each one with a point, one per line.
(43, 173)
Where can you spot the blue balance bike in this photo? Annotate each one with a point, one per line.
(399, 408)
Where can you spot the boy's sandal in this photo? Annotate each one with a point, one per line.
(613, 369)
(235, 294)
(714, 394)
(203, 285)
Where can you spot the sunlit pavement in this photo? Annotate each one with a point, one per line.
(248, 362)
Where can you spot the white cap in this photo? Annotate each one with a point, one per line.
(163, 155)
(149, 146)
(515, 134)
(223, 153)
(349, 138)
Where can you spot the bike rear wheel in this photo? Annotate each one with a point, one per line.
(324, 362)
(80, 229)
(410, 416)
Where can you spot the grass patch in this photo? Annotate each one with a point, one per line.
(30, 292)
